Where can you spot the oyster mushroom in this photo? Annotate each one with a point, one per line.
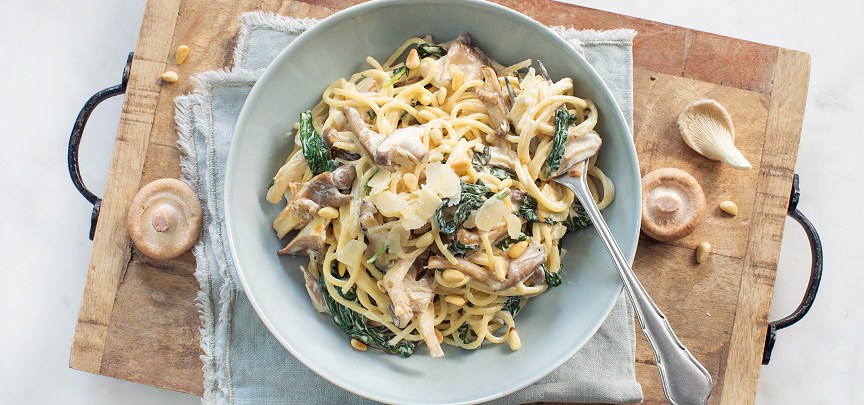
(313, 288)
(526, 264)
(467, 268)
(491, 98)
(165, 219)
(324, 189)
(309, 241)
(331, 136)
(673, 204)
(411, 294)
(460, 56)
(291, 171)
(707, 128)
(402, 146)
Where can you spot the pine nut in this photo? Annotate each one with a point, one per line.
(182, 53)
(729, 207)
(413, 60)
(456, 300)
(410, 180)
(460, 166)
(452, 276)
(514, 342)
(424, 240)
(438, 336)
(170, 77)
(702, 251)
(458, 78)
(517, 249)
(425, 99)
(441, 95)
(358, 345)
(435, 136)
(328, 212)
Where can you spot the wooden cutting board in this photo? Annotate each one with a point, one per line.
(138, 319)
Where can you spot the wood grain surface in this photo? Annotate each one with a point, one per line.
(138, 319)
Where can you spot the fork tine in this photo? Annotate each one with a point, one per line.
(510, 91)
(543, 71)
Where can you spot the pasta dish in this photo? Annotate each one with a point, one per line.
(421, 192)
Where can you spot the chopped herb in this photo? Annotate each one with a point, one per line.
(472, 197)
(501, 195)
(372, 114)
(315, 150)
(272, 182)
(563, 119)
(505, 243)
(552, 279)
(398, 74)
(377, 254)
(426, 50)
(356, 326)
(513, 305)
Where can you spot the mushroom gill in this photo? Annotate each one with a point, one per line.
(707, 128)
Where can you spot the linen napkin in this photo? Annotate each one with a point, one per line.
(243, 362)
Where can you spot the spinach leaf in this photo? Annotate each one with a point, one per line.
(462, 333)
(481, 159)
(315, 150)
(435, 51)
(398, 74)
(563, 119)
(505, 243)
(459, 249)
(552, 279)
(501, 174)
(513, 305)
(578, 218)
(355, 325)
(472, 197)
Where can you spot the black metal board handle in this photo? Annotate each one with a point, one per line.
(75, 140)
(815, 274)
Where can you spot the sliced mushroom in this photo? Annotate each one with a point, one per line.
(525, 265)
(323, 189)
(164, 220)
(309, 241)
(402, 146)
(494, 102)
(367, 215)
(673, 204)
(411, 294)
(467, 268)
(291, 171)
(577, 150)
(517, 196)
(462, 56)
(331, 137)
(467, 237)
(313, 288)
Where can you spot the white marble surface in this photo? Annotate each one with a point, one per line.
(59, 52)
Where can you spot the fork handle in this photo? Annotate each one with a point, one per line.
(685, 380)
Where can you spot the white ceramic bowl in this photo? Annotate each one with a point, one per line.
(552, 327)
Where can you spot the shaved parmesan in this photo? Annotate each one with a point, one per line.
(410, 219)
(514, 226)
(388, 203)
(427, 203)
(460, 159)
(380, 180)
(442, 180)
(491, 214)
(352, 253)
(396, 239)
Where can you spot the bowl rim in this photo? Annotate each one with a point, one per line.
(339, 17)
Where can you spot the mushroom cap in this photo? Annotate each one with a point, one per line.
(673, 204)
(165, 219)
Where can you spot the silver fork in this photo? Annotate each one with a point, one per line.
(685, 380)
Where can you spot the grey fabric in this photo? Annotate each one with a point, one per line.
(243, 362)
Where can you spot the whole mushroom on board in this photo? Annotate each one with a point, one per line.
(673, 204)
(706, 127)
(164, 219)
